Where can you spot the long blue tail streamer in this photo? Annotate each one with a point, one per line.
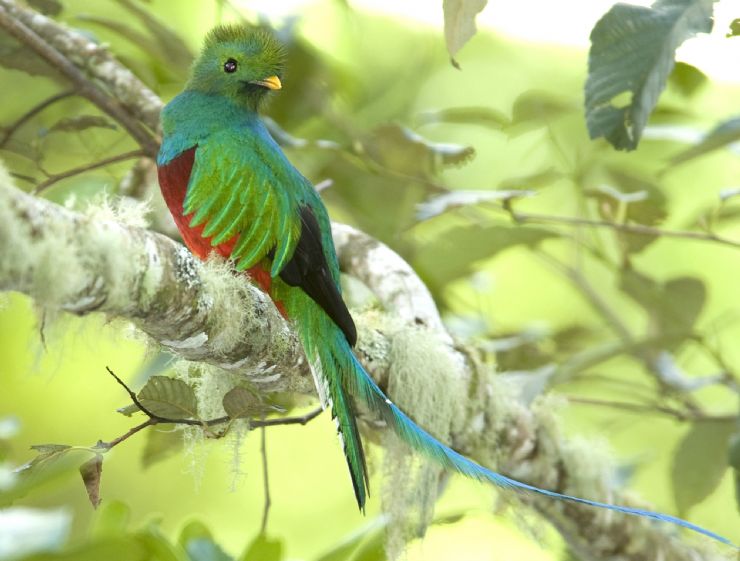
(359, 383)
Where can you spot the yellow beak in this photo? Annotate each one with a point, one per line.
(271, 83)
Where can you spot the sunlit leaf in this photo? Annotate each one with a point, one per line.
(687, 79)
(128, 410)
(401, 149)
(91, 472)
(723, 134)
(460, 23)
(700, 462)
(455, 199)
(169, 398)
(264, 548)
(631, 56)
(162, 442)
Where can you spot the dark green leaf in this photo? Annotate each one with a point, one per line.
(262, 548)
(455, 199)
(483, 116)
(169, 398)
(733, 451)
(700, 462)
(82, 122)
(686, 78)
(162, 442)
(631, 56)
(47, 7)
(723, 134)
(400, 149)
(91, 472)
(460, 23)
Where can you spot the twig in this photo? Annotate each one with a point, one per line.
(693, 416)
(28, 115)
(87, 167)
(265, 480)
(638, 229)
(83, 85)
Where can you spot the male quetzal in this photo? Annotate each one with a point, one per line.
(231, 190)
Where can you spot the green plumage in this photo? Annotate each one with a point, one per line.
(232, 190)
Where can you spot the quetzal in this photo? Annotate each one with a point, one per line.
(232, 191)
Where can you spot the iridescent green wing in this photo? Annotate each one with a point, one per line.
(241, 186)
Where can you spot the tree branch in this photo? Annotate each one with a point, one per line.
(203, 312)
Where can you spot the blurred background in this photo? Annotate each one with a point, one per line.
(637, 333)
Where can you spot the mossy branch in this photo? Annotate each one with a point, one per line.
(201, 311)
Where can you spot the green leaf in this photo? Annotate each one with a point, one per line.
(700, 462)
(174, 51)
(240, 403)
(460, 23)
(16, 56)
(539, 107)
(687, 79)
(723, 134)
(262, 548)
(169, 398)
(82, 122)
(91, 471)
(162, 442)
(631, 56)
(193, 530)
(440, 260)
(534, 180)
(158, 546)
(733, 451)
(112, 520)
(128, 410)
(401, 149)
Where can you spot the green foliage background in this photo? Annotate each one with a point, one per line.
(355, 79)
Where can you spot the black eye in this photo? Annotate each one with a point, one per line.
(230, 66)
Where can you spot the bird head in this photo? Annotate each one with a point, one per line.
(239, 62)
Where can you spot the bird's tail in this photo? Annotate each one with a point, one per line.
(336, 355)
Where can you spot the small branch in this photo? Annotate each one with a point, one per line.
(83, 85)
(88, 167)
(637, 229)
(10, 131)
(690, 415)
(265, 480)
(150, 422)
(302, 420)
